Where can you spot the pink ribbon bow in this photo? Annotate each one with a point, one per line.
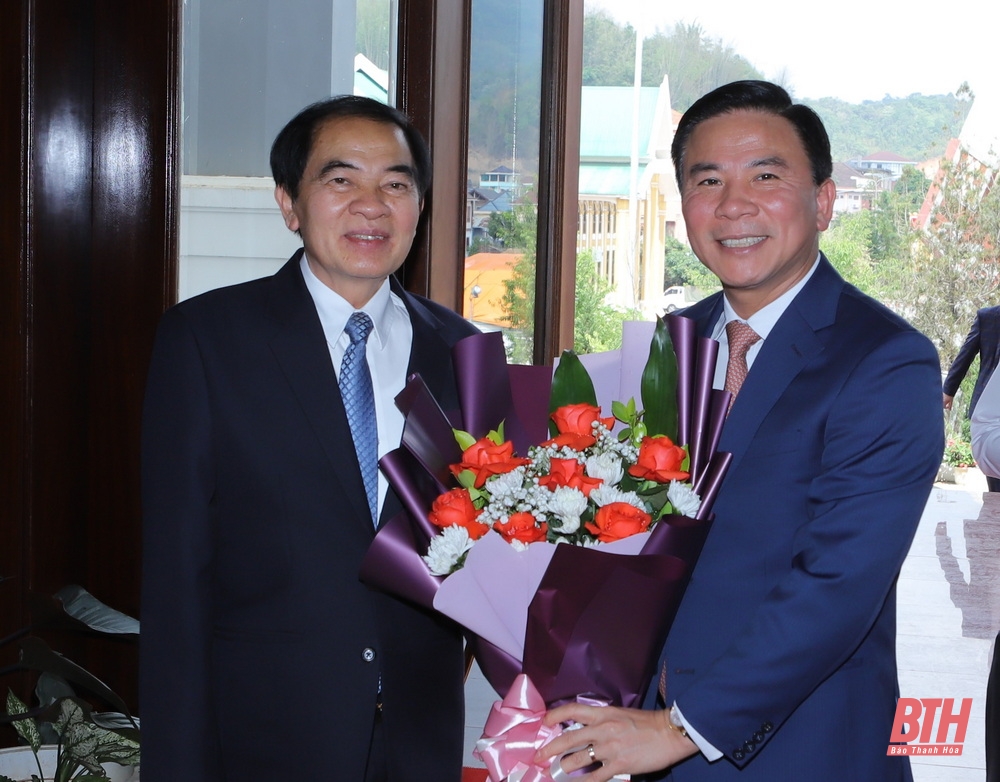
(513, 733)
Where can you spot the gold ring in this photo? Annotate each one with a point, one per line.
(590, 751)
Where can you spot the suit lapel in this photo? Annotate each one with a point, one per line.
(430, 353)
(793, 342)
(299, 346)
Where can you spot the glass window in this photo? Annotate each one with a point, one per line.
(502, 174)
(248, 68)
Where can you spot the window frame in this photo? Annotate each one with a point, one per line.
(433, 88)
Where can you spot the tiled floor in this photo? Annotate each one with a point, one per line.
(949, 614)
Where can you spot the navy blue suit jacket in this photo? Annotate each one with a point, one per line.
(783, 651)
(984, 339)
(261, 651)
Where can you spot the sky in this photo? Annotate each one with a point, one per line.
(854, 51)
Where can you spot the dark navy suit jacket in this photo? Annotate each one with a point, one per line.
(261, 650)
(783, 652)
(984, 339)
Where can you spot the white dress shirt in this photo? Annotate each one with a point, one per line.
(761, 322)
(986, 428)
(387, 352)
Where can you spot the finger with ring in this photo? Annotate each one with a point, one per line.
(590, 751)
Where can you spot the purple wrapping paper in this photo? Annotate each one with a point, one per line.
(583, 631)
(587, 634)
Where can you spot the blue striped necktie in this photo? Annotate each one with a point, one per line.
(359, 403)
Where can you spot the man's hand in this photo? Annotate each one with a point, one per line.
(624, 741)
(947, 401)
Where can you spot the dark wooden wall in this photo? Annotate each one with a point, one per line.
(87, 255)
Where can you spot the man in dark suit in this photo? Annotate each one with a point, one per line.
(781, 662)
(263, 656)
(983, 339)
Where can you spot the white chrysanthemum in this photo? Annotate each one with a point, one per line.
(606, 466)
(519, 545)
(447, 549)
(605, 495)
(567, 505)
(507, 484)
(683, 498)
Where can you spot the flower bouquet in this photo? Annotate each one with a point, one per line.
(561, 538)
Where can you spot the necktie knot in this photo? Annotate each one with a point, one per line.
(741, 337)
(358, 327)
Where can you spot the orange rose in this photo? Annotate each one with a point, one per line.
(523, 527)
(659, 460)
(455, 509)
(486, 458)
(568, 472)
(578, 442)
(618, 520)
(579, 419)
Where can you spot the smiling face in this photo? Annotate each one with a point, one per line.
(752, 210)
(358, 205)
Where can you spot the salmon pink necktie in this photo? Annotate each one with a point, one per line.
(741, 337)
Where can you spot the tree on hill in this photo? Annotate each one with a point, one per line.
(693, 62)
(917, 127)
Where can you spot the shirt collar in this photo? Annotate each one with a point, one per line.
(334, 310)
(767, 316)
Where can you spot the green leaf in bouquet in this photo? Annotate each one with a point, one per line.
(571, 384)
(625, 412)
(659, 384)
(479, 497)
(466, 479)
(464, 439)
(657, 500)
(26, 728)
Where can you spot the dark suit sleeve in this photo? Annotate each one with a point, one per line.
(881, 446)
(177, 488)
(960, 366)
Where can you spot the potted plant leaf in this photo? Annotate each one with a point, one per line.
(66, 739)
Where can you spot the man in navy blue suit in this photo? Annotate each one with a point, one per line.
(781, 662)
(983, 339)
(263, 656)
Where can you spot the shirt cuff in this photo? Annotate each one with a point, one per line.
(708, 750)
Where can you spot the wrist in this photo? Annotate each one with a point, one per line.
(675, 723)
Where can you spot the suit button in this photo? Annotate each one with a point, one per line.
(749, 746)
(738, 754)
(368, 654)
(767, 727)
(758, 737)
